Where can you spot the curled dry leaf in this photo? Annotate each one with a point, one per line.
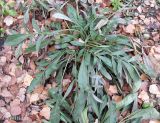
(45, 112)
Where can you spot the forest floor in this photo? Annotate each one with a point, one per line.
(16, 105)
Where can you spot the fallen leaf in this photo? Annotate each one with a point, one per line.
(15, 102)
(117, 98)
(34, 97)
(27, 79)
(16, 110)
(12, 69)
(5, 93)
(139, 9)
(112, 90)
(143, 96)
(5, 112)
(3, 60)
(45, 112)
(130, 28)
(8, 20)
(21, 59)
(2, 103)
(6, 80)
(144, 77)
(144, 86)
(21, 94)
(32, 65)
(153, 89)
(154, 121)
(146, 21)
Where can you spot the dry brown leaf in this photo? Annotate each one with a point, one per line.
(130, 28)
(15, 102)
(45, 112)
(16, 110)
(32, 65)
(154, 121)
(3, 60)
(12, 69)
(112, 90)
(143, 96)
(21, 94)
(2, 103)
(5, 112)
(6, 93)
(144, 77)
(117, 98)
(6, 80)
(27, 79)
(39, 89)
(34, 97)
(147, 21)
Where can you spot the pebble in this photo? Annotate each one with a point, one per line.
(146, 36)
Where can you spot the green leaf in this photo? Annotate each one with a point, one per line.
(61, 16)
(38, 42)
(35, 25)
(126, 101)
(101, 23)
(69, 90)
(119, 67)
(55, 114)
(72, 13)
(106, 60)
(93, 104)
(12, 12)
(149, 113)
(18, 50)
(79, 105)
(105, 73)
(83, 78)
(111, 116)
(51, 68)
(35, 82)
(77, 43)
(84, 116)
(13, 40)
(26, 16)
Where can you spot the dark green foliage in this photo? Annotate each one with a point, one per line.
(91, 54)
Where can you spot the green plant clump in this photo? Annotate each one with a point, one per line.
(7, 8)
(88, 51)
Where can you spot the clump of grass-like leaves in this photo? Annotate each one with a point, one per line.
(88, 51)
